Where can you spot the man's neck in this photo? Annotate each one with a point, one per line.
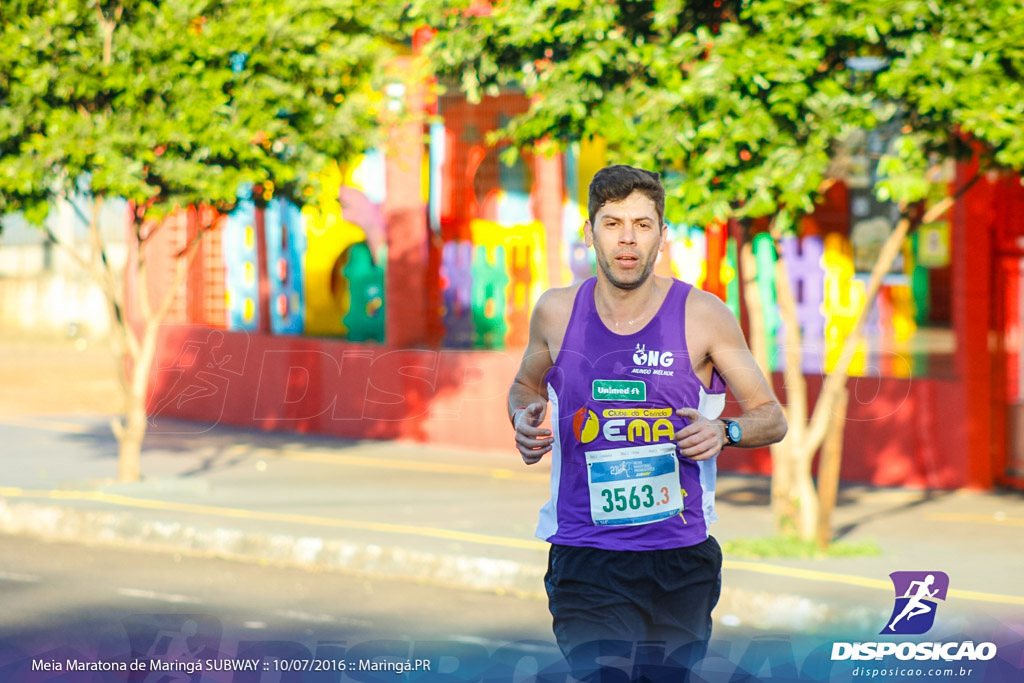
(627, 310)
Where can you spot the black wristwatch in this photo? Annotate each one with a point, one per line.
(733, 432)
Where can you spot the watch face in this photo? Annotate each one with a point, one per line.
(734, 432)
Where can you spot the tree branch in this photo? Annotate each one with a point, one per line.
(74, 207)
(794, 383)
(98, 249)
(101, 274)
(109, 26)
(125, 341)
(142, 268)
(108, 282)
(69, 250)
(183, 261)
(151, 233)
(189, 249)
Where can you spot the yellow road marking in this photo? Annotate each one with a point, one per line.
(452, 535)
(740, 496)
(860, 581)
(806, 574)
(412, 465)
(975, 519)
(987, 597)
(236, 513)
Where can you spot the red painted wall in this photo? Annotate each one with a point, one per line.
(332, 387)
(901, 432)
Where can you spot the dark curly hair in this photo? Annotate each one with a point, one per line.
(615, 183)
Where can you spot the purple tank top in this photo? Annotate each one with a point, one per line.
(617, 480)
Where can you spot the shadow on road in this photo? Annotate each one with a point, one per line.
(212, 447)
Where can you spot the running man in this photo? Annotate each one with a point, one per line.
(916, 604)
(635, 368)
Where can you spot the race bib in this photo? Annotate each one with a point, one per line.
(635, 485)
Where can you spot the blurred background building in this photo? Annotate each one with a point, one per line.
(396, 305)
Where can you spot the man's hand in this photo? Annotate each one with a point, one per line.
(532, 441)
(702, 438)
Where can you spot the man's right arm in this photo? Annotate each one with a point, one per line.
(527, 397)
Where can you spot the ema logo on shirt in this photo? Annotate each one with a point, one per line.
(652, 358)
(617, 427)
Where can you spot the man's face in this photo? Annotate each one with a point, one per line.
(626, 237)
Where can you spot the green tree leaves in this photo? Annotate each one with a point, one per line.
(747, 103)
(176, 103)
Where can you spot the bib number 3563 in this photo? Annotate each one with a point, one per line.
(635, 485)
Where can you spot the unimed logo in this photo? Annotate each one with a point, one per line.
(916, 594)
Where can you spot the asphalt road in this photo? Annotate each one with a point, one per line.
(64, 601)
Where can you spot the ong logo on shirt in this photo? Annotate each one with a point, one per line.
(652, 358)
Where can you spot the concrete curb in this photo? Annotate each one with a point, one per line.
(785, 612)
(125, 530)
(737, 607)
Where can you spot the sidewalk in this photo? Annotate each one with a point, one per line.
(467, 519)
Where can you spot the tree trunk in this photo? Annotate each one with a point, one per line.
(805, 493)
(828, 471)
(781, 501)
(801, 503)
(129, 451)
(136, 421)
(137, 356)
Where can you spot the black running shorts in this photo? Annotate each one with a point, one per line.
(603, 599)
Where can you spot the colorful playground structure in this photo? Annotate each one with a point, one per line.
(324, 265)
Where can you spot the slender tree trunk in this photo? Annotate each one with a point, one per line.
(796, 502)
(129, 451)
(136, 420)
(801, 508)
(781, 501)
(828, 471)
(137, 355)
(130, 431)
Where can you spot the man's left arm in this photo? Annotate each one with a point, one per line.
(762, 421)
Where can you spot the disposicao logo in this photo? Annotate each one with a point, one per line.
(916, 595)
(913, 613)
